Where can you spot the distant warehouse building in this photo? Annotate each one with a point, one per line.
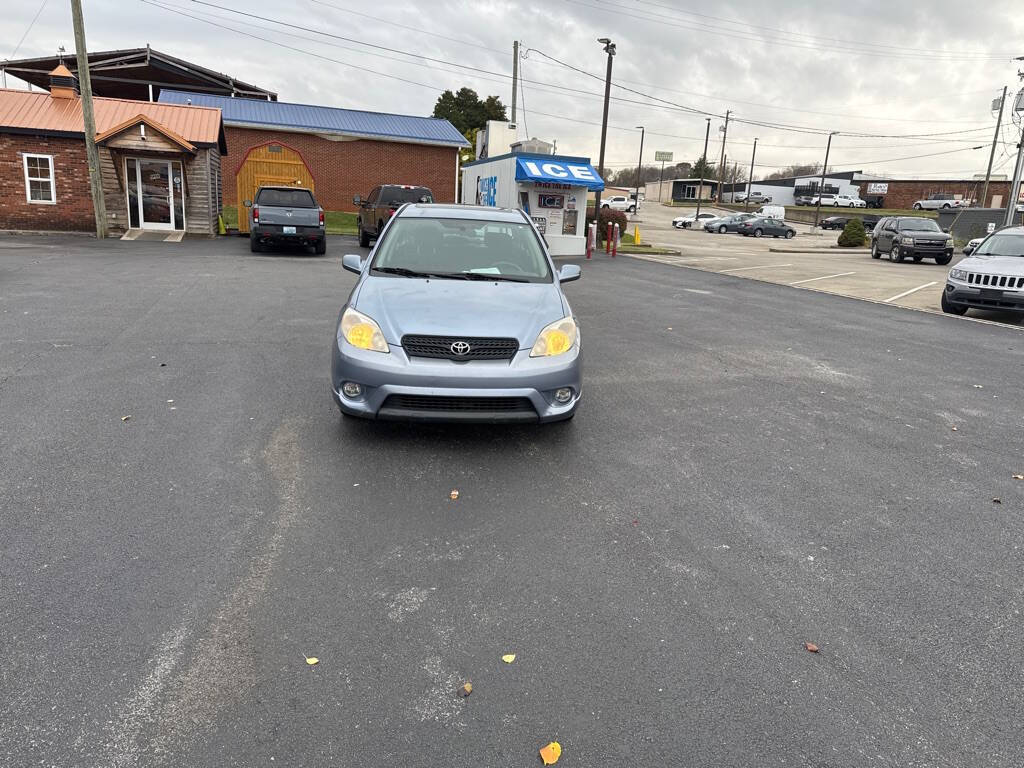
(342, 152)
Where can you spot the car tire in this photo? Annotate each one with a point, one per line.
(945, 206)
(943, 260)
(874, 251)
(321, 246)
(790, 234)
(685, 225)
(631, 209)
(950, 308)
(723, 229)
(758, 232)
(917, 206)
(254, 244)
(364, 236)
(604, 207)
(895, 256)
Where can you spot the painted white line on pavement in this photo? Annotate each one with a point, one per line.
(912, 290)
(763, 266)
(825, 277)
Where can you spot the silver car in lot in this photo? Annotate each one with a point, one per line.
(458, 315)
(992, 277)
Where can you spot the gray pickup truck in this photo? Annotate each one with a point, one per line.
(285, 216)
(381, 204)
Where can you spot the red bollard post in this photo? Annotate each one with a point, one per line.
(608, 239)
(591, 236)
(615, 241)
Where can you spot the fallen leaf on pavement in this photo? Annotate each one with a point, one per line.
(978, 386)
(551, 753)
(125, 418)
(955, 429)
(508, 658)
(465, 689)
(997, 501)
(1018, 477)
(811, 647)
(312, 660)
(454, 495)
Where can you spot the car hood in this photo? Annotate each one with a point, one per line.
(402, 305)
(993, 265)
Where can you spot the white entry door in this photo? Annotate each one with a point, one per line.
(155, 193)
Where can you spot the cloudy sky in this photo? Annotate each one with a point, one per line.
(917, 78)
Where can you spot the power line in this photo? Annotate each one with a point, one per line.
(29, 29)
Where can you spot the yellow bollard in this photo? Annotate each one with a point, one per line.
(636, 235)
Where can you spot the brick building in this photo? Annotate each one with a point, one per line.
(347, 152)
(902, 193)
(160, 163)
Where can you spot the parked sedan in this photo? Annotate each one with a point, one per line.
(910, 236)
(458, 315)
(990, 278)
(839, 222)
(972, 245)
(728, 223)
(685, 222)
(761, 226)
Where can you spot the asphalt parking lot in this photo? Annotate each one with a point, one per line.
(846, 272)
(186, 520)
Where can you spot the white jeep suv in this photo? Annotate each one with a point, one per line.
(992, 277)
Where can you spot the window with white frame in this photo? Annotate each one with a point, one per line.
(39, 186)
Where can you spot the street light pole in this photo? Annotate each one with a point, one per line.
(824, 170)
(703, 164)
(750, 179)
(609, 48)
(639, 166)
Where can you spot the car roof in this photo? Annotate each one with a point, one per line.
(1008, 231)
(403, 186)
(454, 211)
(268, 186)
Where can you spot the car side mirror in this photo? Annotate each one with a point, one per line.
(247, 203)
(569, 272)
(357, 200)
(353, 262)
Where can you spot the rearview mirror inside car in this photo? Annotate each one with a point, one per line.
(357, 200)
(247, 203)
(569, 272)
(353, 262)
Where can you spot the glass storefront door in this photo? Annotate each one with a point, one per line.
(155, 193)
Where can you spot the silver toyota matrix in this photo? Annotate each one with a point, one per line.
(458, 315)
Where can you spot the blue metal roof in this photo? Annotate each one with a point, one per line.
(314, 119)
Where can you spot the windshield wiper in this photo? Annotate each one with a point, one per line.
(405, 272)
(486, 276)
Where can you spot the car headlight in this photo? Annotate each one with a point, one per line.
(362, 331)
(958, 274)
(556, 339)
(907, 240)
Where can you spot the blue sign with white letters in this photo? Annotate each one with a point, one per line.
(558, 172)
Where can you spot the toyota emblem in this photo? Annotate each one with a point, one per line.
(460, 348)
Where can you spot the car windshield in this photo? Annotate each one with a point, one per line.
(461, 247)
(286, 198)
(405, 195)
(923, 225)
(1002, 245)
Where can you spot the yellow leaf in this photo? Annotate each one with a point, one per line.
(551, 753)
(125, 418)
(465, 689)
(454, 495)
(508, 658)
(311, 660)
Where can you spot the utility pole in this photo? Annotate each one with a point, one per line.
(750, 179)
(703, 165)
(515, 78)
(661, 180)
(824, 170)
(639, 166)
(992, 154)
(609, 48)
(721, 162)
(732, 179)
(85, 86)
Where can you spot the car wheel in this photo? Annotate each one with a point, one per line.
(917, 206)
(604, 206)
(686, 225)
(894, 255)
(321, 246)
(945, 206)
(943, 260)
(254, 244)
(950, 308)
(758, 232)
(364, 237)
(632, 209)
(723, 229)
(790, 233)
(874, 251)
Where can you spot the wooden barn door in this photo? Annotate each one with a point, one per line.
(272, 164)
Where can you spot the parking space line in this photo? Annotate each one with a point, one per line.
(762, 266)
(912, 290)
(824, 277)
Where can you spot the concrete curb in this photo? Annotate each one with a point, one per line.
(829, 250)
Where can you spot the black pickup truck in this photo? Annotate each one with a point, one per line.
(381, 204)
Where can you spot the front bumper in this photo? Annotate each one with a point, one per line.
(984, 298)
(384, 375)
(926, 252)
(273, 234)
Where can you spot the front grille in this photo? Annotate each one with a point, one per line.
(458, 404)
(996, 281)
(479, 348)
(930, 243)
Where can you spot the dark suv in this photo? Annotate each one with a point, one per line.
(913, 237)
(381, 204)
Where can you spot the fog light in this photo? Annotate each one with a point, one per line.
(351, 389)
(563, 395)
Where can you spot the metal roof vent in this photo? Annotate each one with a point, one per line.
(63, 84)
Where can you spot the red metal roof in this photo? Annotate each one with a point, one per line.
(33, 110)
